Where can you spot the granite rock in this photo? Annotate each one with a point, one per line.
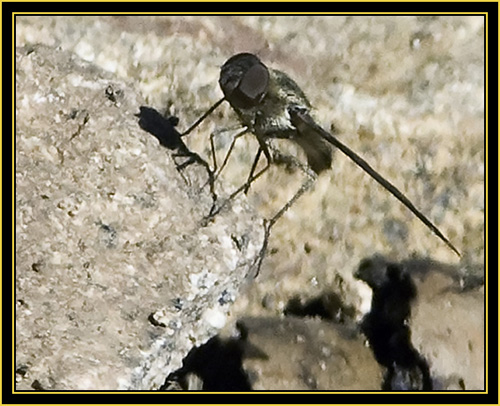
(117, 273)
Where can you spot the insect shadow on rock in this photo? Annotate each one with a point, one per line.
(386, 325)
(270, 105)
(163, 128)
(218, 364)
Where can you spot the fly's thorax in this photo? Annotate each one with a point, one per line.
(273, 119)
(287, 89)
(270, 118)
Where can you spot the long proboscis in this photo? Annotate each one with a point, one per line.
(301, 118)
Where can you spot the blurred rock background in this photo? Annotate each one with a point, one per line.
(407, 93)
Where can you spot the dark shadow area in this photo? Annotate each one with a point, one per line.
(386, 325)
(466, 277)
(162, 128)
(327, 306)
(216, 366)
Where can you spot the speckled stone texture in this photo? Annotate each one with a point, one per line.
(116, 278)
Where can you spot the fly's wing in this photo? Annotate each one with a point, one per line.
(305, 124)
(318, 151)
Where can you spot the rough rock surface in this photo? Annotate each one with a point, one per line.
(309, 354)
(116, 278)
(448, 327)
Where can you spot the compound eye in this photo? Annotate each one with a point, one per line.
(249, 90)
(254, 84)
